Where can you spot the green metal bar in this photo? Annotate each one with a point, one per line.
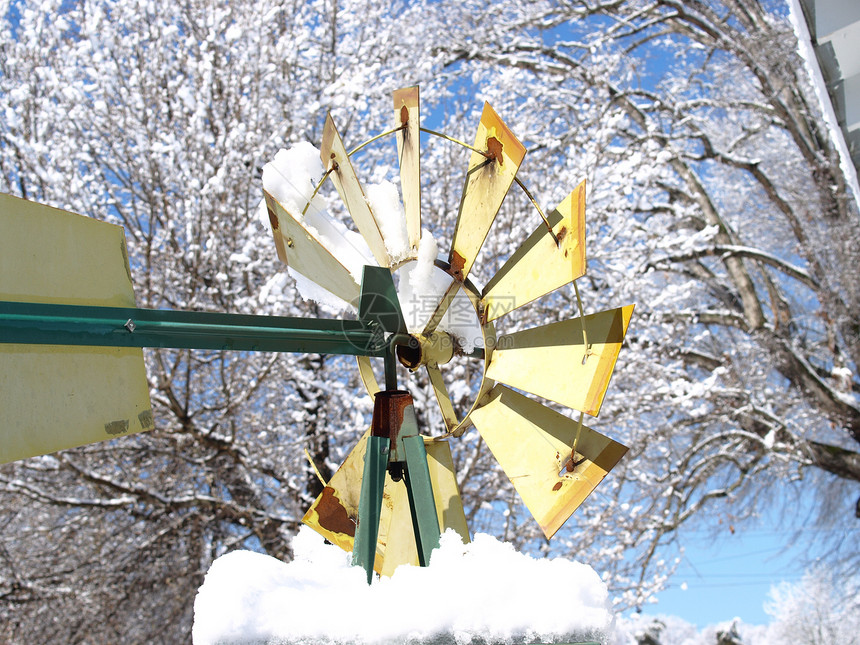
(421, 503)
(390, 366)
(370, 504)
(54, 324)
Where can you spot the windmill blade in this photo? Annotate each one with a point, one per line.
(335, 159)
(300, 249)
(532, 443)
(406, 113)
(335, 512)
(54, 397)
(487, 182)
(555, 362)
(446, 407)
(540, 265)
(396, 544)
(442, 307)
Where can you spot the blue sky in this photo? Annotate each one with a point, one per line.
(731, 576)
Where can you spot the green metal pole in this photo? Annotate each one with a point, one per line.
(52, 324)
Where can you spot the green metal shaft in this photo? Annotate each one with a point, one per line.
(53, 324)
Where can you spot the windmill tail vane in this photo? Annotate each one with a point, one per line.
(72, 370)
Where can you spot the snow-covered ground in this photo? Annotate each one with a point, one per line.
(483, 592)
(480, 593)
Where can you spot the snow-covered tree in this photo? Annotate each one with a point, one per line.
(821, 608)
(159, 116)
(716, 203)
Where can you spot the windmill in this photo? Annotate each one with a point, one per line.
(72, 372)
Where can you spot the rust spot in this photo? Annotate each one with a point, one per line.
(333, 155)
(388, 407)
(458, 262)
(332, 515)
(273, 219)
(561, 233)
(573, 462)
(557, 486)
(404, 115)
(494, 150)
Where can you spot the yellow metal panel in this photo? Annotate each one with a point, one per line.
(449, 505)
(334, 157)
(441, 308)
(540, 266)
(335, 512)
(368, 378)
(487, 183)
(298, 248)
(442, 397)
(488, 334)
(54, 397)
(554, 362)
(396, 542)
(532, 443)
(406, 111)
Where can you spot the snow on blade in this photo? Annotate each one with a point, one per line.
(312, 292)
(422, 291)
(384, 200)
(423, 286)
(291, 178)
(483, 592)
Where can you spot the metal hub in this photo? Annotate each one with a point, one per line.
(436, 348)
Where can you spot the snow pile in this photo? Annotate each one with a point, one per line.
(483, 592)
(422, 290)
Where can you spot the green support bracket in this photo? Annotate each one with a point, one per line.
(370, 504)
(378, 302)
(395, 446)
(424, 521)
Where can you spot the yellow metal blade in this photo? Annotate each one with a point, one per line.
(396, 544)
(554, 362)
(368, 378)
(532, 443)
(335, 512)
(540, 266)
(442, 397)
(334, 157)
(298, 248)
(54, 397)
(446, 493)
(406, 113)
(487, 183)
(441, 308)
